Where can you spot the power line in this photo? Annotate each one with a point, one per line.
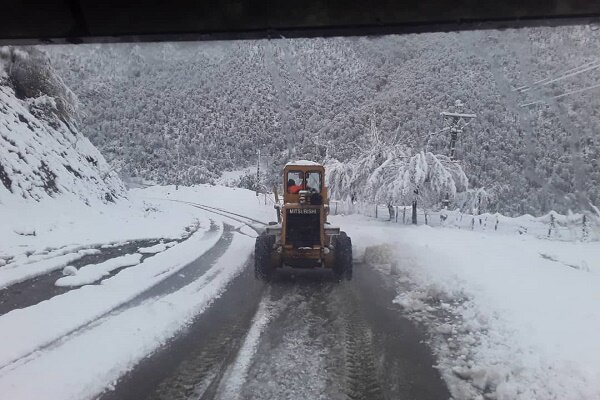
(565, 74)
(562, 95)
(572, 74)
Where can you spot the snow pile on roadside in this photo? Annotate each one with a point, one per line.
(94, 272)
(510, 317)
(554, 226)
(67, 222)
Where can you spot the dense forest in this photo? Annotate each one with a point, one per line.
(185, 112)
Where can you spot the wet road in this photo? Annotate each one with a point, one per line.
(302, 336)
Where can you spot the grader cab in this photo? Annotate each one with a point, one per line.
(303, 238)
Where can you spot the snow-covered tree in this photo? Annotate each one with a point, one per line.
(390, 174)
(393, 179)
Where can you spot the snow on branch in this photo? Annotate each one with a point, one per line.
(391, 175)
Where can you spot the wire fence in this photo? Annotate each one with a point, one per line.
(554, 226)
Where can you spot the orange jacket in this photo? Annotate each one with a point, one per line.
(294, 189)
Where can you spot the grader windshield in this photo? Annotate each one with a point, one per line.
(314, 181)
(298, 180)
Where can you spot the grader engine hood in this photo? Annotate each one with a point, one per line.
(303, 227)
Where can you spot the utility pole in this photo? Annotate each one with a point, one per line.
(178, 162)
(258, 173)
(457, 122)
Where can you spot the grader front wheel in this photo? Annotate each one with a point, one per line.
(342, 267)
(262, 256)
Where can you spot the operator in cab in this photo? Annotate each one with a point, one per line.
(295, 188)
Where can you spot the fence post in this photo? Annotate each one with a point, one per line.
(396, 214)
(375, 211)
(551, 225)
(414, 212)
(404, 215)
(584, 228)
(391, 212)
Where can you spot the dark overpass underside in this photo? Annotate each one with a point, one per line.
(80, 21)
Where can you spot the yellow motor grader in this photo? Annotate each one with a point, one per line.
(302, 237)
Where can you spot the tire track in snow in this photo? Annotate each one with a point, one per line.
(220, 211)
(236, 375)
(362, 377)
(292, 360)
(339, 340)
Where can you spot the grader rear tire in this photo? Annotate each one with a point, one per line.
(342, 267)
(263, 247)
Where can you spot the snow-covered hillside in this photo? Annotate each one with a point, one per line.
(42, 153)
(193, 110)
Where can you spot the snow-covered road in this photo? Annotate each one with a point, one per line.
(302, 336)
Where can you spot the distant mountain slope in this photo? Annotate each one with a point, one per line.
(41, 151)
(187, 111)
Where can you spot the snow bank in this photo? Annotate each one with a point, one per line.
(63, 221)
(65, 225)
(93, 272)
(511, 317)
(552, 226)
